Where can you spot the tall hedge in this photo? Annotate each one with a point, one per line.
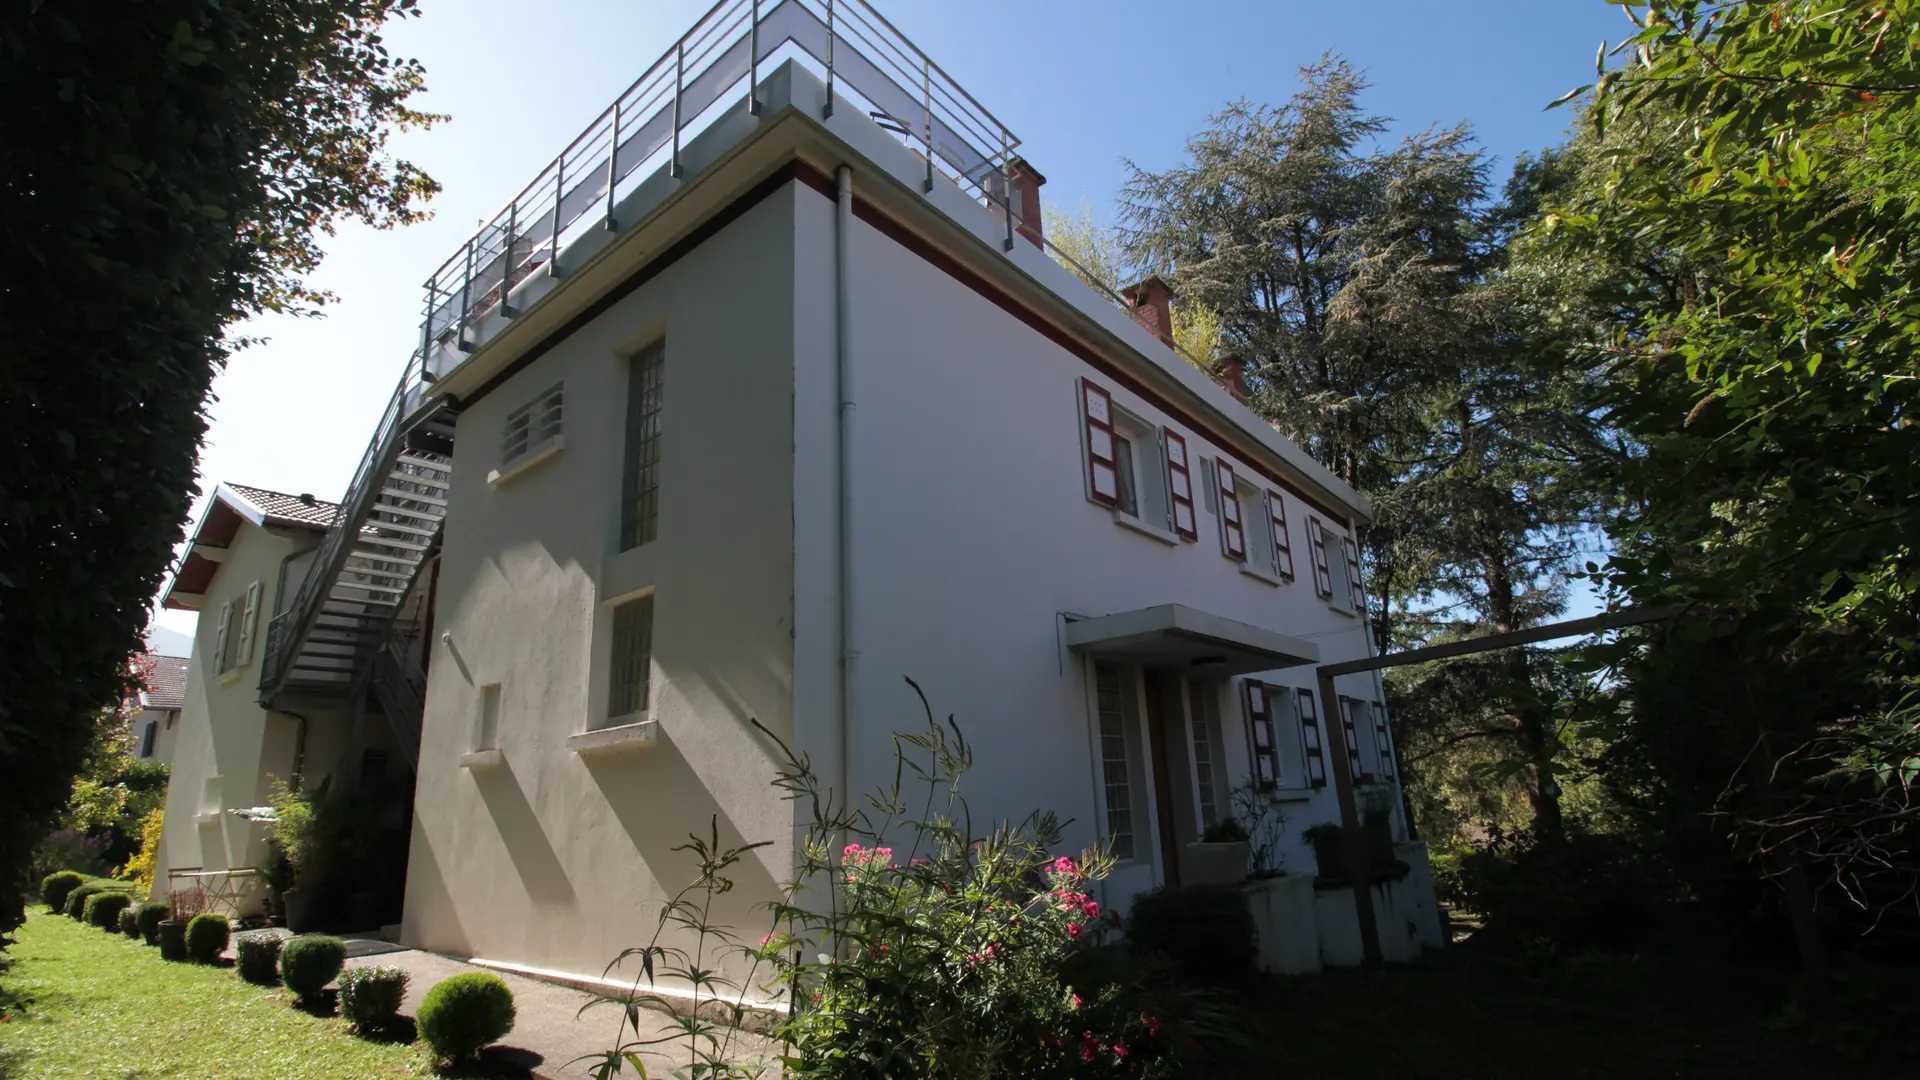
(163, 167)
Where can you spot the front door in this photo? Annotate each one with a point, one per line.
(1159, 756)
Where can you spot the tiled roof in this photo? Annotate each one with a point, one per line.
(284, 509)
(167, 684)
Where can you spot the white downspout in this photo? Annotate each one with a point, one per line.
(843, 379)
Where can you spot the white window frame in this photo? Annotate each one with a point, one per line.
(1207, 769)
(618, 712)
(1140, 461)
(224, 640)
(1140, 827)
(532, 433)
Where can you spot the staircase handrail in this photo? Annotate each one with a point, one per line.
(288, 630)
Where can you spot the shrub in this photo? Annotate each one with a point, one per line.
(140, 868)
(55, 887)
(130, 922)
(257, 955)
(207, 938)
(309, 963)
(465, 1013)
(1586, 893)
(77, 901)
(370, 997)
(104, 908)
(1205, 930)
(150, 916)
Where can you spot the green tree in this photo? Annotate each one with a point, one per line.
(164, 170)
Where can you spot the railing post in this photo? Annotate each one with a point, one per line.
(828, 113)
(613, 167)
(1006, 185)
(679, 62)
(506, 258)
(926, 90)
(559, 195)
(426, 327)
(753, 61)
(466, 291)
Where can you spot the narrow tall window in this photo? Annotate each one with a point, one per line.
(1111, 689)
(632, 660)
(1129, 488)
(488, 735)
(1200, 712)
(640, 488)
(146, 741)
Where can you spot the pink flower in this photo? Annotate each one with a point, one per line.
(1063, 865)
(850, 849)
(1073, 931)
(1076, 1000)
(1152, 1022)
(764, 940)
(1119, 1048)
(1089, 1046)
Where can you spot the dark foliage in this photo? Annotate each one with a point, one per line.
(130, 922)
(257, 955)
(151, 914)
(104, 908)
(77, 901)
(309, 963)
(55, 887)
(462, 1015)
(207, 937)
(370, 997)
(1205, 930)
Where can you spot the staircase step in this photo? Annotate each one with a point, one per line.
(398, 494)
(415, 530)
(419, 462)
(362, 586)
(361, 543)
(383, 507)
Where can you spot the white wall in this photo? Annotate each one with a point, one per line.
(166, 728)
(975, 535)
(557, 861)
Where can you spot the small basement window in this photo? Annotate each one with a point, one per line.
(532, 427)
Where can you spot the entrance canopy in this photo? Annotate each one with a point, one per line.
(1194, 642)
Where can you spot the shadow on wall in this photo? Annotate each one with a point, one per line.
(432, 919)
(660, 803)
(533, 856)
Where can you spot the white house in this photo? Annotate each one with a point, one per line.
(780, 404)
(152, 729)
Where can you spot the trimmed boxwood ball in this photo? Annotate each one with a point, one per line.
(77, 901)
(465, 1013)
(309, 963)
(130, 922)
(257, 954)
(207, 938)
(370, 997)
(55, 887)
(150, 915)
(104, 908)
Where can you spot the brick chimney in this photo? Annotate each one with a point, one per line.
(1233, 376)
(1026, 181)
(1151, 307)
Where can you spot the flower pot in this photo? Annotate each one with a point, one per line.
(1216, 864)
(173, 940)
(303, 909)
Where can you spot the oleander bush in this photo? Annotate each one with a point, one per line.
(104, 908)
(130, 922)
(257, 956)
(309, 963)
(207, 937)
(463, 1014)
(150, 915)
(370, 997)
(77, 901)
(55, 887)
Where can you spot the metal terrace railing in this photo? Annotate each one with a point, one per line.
(862, 57)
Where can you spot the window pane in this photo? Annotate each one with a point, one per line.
(1110, 688)
(1129, 491)
(632, 657)
(1200, 716)
(640, 489)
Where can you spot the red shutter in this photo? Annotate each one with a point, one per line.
(1310, 735)
(1282, 543)
(1233, 539)
(1352, 737)
(1180, 486)
(1317, 547)
(1266, 757)
(1103, 477)
(1353, 574)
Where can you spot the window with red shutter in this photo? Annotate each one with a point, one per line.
(1311, 736)
(1233, 538)
(1180, 487)
(1382, 739)
(1354, 597)
(1352, 737)
(1282, 543)
(1103, 472)
(1317, 549)
(1260, 736)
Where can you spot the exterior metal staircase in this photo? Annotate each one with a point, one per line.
(336, 636)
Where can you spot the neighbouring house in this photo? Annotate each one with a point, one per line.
(152, 729)
(247, 558)
(781, 402)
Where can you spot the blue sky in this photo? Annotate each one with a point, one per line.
(1084, 85)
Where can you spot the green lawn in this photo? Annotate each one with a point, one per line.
(104, 1005)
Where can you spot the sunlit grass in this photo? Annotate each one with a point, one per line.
(104, 1005)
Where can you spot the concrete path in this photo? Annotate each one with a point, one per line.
(549, 1030)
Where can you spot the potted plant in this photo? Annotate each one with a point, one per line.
(301, 828)
(1376, 822)
(1219, 857)
(184, 904)
(1329, 849)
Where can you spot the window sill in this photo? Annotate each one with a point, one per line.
(612, 740)
(1258, 574)
(1127, 520)
(534, 456)
(483, 759)
(1291, 794)
(228, 677)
